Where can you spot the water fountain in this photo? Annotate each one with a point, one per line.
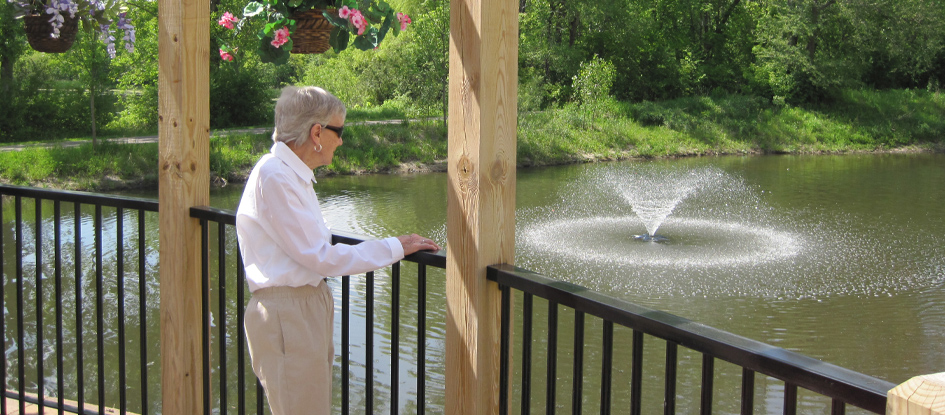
(653, 194)
(707, 220)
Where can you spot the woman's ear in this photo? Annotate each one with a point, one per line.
(314, 134)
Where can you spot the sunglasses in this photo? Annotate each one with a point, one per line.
(337, 130)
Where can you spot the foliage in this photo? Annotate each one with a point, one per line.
(237, 98)
(421, 65)
(88, 63)
(594, 81)
(36, 103)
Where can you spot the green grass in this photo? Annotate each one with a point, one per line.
(855, 121)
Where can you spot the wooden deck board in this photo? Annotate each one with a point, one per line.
(13, 407)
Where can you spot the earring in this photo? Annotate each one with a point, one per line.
(319, 149)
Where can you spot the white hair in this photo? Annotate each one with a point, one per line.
(299, 108)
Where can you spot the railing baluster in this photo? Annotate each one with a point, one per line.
(552, 362)
(241, 350)
(748, 391)
(527, 310)
(99, 309)
(607, 365)
(636, 374)
(205, 310)
(260, 398)
(505, 329)
(837, 407)
(221, 312)
(120, 287)
(142, 313)
(345, 348)
(20, 352)
(421, 338)
(669, 398)
(790, 398)
(577, 387)
(60, 377)
(395, 340)
(708, 373)
(3, 323)
(40, 369)
(79, 342)
(369, 344)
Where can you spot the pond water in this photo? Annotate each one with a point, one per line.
(841, 258)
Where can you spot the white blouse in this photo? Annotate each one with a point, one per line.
(283, 237)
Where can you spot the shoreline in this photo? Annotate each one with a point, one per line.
(113, 183)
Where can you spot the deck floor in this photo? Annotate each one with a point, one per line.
(13, 407)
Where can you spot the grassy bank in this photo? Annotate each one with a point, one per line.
(856, 121)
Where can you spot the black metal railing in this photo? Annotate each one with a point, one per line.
(839, 385)
(95, 268)
(74, 258)
(215, 284)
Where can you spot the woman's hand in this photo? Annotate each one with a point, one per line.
(413, 243)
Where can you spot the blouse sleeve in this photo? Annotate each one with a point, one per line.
(298, 229)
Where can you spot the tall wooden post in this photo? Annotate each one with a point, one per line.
(184, 132)
(921, 395)
(483, 81)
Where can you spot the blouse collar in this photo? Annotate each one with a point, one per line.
(284, 153)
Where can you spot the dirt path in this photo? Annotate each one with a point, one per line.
(154, 138)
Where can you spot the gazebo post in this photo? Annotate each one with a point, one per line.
(183, 170)
(483, 85)
(921, 395)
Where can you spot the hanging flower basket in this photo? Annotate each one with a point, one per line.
(314, 26)
(312, 32)
(39, 33)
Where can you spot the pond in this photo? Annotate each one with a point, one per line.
(841, 258)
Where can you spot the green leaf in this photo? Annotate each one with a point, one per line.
(253, 8)
(373, 16)
(382, 6)
(382, 33)
(335, 20)
(339, 39)
(270, 54)
(368, 40)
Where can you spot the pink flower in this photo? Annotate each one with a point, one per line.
(226, 56)
(280, 37)
(344, 12)
(227, 20)
(404, 20)
(358, 21)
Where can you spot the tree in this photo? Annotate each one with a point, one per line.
(88, 62)
(12, 45)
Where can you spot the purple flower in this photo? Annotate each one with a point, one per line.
(108, 39)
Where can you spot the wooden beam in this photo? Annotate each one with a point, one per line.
(921, 395)
(183, 169)
(483, 81)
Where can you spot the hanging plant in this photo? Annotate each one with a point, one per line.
(51, 25)
(314, 26)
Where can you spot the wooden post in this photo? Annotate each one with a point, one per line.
(483, 83)
(183, 169)
(921, 395)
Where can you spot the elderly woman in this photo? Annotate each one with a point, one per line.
(287, 253)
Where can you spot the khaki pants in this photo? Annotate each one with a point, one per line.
(289, 334)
